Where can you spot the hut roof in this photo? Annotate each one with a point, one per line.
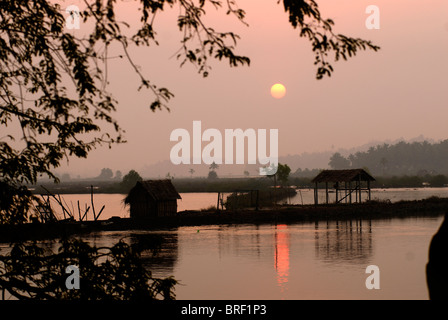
(343, 176)
(159, 190)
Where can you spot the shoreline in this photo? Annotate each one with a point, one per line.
(431, 207)
(222, 184)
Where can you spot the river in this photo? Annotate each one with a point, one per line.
(295, 261)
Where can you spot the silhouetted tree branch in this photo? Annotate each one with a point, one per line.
(53, 84)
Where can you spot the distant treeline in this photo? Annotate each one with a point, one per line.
(402, 165)
(181, 184)
(264, 183)
(239, 184)
(436, 181)
(403, 158)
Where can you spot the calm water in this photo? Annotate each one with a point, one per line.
(296, 261)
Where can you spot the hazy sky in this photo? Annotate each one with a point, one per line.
(399, 92)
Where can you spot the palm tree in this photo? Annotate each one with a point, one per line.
(213, 166)
(212, 173)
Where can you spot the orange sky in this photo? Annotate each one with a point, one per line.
(399, 92)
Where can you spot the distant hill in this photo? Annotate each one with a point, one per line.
(320, 160)
(315, 160)
(402, 158)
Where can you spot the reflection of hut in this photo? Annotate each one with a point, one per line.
(344, 241)
(345, 181)
(152, 198)
(158, 251)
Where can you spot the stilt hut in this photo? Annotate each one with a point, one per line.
(347, 185)
(152, 198)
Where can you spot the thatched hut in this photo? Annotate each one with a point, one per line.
(152, 198)
(349, 182)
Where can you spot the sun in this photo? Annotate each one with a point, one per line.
(278, 91)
